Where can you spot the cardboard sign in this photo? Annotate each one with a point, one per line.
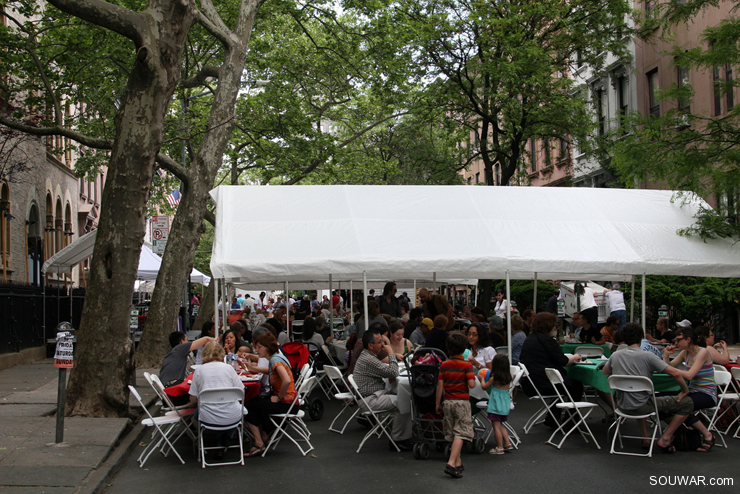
(64, 354)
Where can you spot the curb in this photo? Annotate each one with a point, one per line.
(97, 480)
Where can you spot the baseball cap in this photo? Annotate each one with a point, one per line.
(427, 322)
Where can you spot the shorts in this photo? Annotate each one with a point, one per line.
(667, 406)
(494, 417)
(457, 421)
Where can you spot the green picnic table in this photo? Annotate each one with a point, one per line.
(571, 348)
(587, 374)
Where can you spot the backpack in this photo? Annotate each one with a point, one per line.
(686, 439)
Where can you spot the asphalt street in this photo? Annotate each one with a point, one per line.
(335, 467)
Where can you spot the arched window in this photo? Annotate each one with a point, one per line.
(33, 240)
(58, 227)
(67, 225)
(49, 228)
(5, 218)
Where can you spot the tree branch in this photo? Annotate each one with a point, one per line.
(210, 20)
(58, 131)
(173, 167)
(200, 78)
(130, 24)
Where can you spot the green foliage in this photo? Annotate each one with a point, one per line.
(491, 67)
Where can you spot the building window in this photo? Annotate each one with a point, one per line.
(653, 102)
(548, 153)
(599, 96)
(498, 174)
(533, 152)
(684, 102)
(563, 148)
(717, 91)
(622, 100)
(648, 6)
(5, 219)
(730, 87)
(470, 180)
(477, 177)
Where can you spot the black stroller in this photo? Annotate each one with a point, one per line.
(423, 377)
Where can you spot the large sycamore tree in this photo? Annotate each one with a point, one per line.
(142, 45)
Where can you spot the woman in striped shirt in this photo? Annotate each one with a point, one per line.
(696, 366)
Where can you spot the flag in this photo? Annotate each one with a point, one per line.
(174, 198)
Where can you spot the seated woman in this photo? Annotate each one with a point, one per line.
(399, 344)
(282, 389)
(208, 329)
(718, 351)
(696, 366)
(214, 373)
(230, 341)
(311, 336)
(540, 351)
(481, 351)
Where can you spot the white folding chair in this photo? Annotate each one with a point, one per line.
(726, 391)
(347, 398)
(185, 412)
(589, 351)
(221, 396)
(547, 401)
(296, 330)
(163, 428)
(379, 418)
(735, 372)
(572, 408)
(633, 384)
(292, 420)
(502, 350)
(516, 374)
(332, 360)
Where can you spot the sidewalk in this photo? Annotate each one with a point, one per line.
(30, 461)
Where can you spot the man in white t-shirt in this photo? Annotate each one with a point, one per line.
(249, 303)
(617, 307)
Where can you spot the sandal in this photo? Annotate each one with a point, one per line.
(508, 447)
(255, 451)
(707, 445)
(496, 451)
(669, 450)
(453, 472)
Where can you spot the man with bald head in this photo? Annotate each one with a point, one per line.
(435, 305)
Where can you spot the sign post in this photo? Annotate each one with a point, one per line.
(160, 232)
(63, 360)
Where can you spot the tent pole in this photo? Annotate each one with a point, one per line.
(364, 291)
(642, 320)
(225, 303)
(508, 313)
(434, 281)
(414, 292)
(215, 301)
(331, 307)
(534, 303)
(475, 296)
(632, 299)
(351, 313)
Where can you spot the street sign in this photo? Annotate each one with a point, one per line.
(160, 226)
(64, 354)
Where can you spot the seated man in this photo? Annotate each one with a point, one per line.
(589, 333)
(175, 362)
(607, 331)
(369, 373)
(665, 336)
(632, 361)
(419, 335)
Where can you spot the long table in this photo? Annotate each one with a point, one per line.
(251, 388)
(587, 374)
(571, 348)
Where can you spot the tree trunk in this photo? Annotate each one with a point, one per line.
(207, 309)
(103, 363)
(188, 224)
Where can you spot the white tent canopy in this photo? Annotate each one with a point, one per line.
(306, 233)
(82, 248)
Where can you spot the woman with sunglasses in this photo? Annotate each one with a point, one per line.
(695, 364)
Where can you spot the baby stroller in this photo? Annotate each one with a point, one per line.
(298, 356)
(426, 423)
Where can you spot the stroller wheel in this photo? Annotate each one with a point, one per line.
(479, 445)
(424, 451)
(417, 454)
(316, 409)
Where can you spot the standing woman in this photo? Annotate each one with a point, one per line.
(481, 351)
(589, 309)
(696, 366)
(281, 385)
(502, 305)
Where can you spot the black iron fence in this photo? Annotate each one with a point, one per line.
(22, 314)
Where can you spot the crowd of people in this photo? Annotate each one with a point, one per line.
(473, 343)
